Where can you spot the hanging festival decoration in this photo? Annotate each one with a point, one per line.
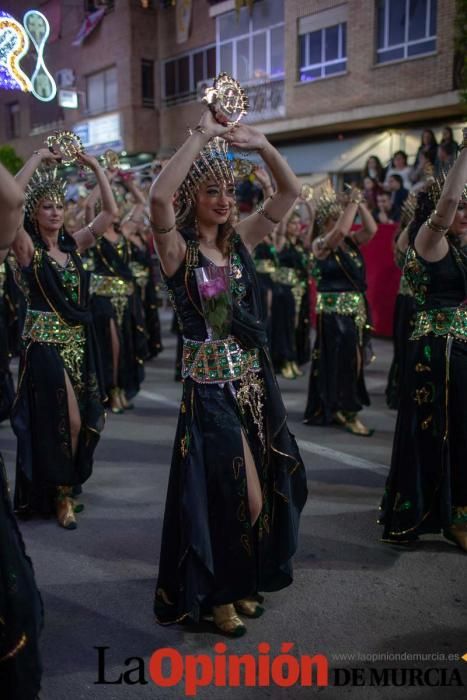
(38, 29)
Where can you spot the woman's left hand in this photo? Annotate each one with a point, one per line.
(247, 138)
(90, 161)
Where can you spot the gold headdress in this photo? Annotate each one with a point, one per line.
(327, 206)
(408, 210)
(214, 162)
(435, 187)
(44, 184)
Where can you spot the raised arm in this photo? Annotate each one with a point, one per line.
(369, 225)
(255, 227)
(11, 207)
(170, 245)
(430, 242)
(326, 243)
(23, 247)
(86, 237)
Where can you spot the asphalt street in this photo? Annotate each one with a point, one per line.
(351, 594)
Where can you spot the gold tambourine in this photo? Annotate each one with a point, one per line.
(227, 96)
(306, 192)
(67, 144)
(242, 168)
(111, 159)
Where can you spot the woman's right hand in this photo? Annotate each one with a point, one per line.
(214, 125)
(48, 156)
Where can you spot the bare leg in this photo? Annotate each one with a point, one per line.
(73, 415)
(255, 499)
(115, 400)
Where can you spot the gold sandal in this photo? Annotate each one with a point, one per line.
(227, 620)
(287, 371)
(115, 401)
(457, 533)
(248, 607)
(65, 508)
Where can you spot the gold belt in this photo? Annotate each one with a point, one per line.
(345, 303)
(140, 273)
(265, 266)
(48, 327)
(214, 361)
(107, 286)
(286, 275)
(445, 321)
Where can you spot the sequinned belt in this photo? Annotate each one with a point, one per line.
(214, 361)
(345, 303)
(140, 273)
(107, 286)
(286, 275)
(444, 321)
(405, 288)
(48, 327)
(265, 267)
(2, 276)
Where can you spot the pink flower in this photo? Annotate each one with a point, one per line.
(212, 288)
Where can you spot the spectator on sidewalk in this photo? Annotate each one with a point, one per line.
(447, 138)
(422, 171)
(371, 189)
(398, 195)
(428, 146)
(374, 169)
(382, 212)
(399, 166)
(447, 153)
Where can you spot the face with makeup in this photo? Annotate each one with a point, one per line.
(214, 202)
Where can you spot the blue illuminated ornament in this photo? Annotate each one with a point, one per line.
(38, 29)
(14, 45)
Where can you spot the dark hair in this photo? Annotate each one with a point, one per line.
(397, 178)
(433, 141)
(449, 148)
(379, 168)
(451, 135)
(399, 153)
(225, 233)
(422, 211)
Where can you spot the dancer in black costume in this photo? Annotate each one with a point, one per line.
(426, 490)
(237, 482)
(20, 602)
(337, 389)
(58, 411)
(118, 314)
(404, 311)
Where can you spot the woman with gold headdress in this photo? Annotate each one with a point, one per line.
(237, 483)
(337, 389)
(58, 413)
(117, 311)
(426, 490)
(20, 602)
(290, 345)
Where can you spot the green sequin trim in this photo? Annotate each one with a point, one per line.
(440, 322)
(416, 275)
(459, 515)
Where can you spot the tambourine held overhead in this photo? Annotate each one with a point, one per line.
(67, 144)
(227, 97)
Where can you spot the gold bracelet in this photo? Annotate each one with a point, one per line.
(93, 231)
(261, 210)
(200, 129)
(436, 227)
(160, 230)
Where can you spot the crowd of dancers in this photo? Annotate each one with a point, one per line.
(81, 290)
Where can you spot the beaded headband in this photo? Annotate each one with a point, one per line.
(214, 162)
(436, 185)
(44, 184)
(408, 210)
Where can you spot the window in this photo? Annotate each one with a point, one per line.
(406, 28)
(147, 83)
(13, 123)
(250, 43)
(101, 91)
(182, 75)
(323, 53)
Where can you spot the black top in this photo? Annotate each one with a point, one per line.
(438, 284)
(342, 271)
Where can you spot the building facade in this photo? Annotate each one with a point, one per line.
(329, 81)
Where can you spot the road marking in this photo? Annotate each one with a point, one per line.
(342, 457)
(159, 398)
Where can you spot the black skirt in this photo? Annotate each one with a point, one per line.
(404, 314)
(335, 383)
